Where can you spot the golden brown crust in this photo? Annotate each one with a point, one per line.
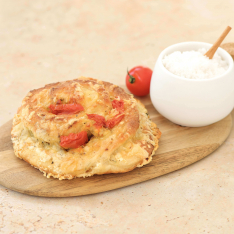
(36, 132)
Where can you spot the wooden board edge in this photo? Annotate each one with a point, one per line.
(41, 194)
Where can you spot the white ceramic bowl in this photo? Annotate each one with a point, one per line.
(192, 103)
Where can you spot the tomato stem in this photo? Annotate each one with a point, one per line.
(131, 78)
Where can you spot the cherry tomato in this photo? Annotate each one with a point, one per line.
(138, 80)
(100, 120)
(114, 121)
(59, 109)
(118, 105)
(74, 140)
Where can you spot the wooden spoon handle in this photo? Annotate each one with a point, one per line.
(210, 53)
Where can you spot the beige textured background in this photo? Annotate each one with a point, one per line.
(50, 41)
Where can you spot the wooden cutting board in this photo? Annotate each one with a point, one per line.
(178, 147)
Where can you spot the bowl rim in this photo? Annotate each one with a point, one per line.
(223, 52)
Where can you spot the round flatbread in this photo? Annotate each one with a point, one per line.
(125, 138)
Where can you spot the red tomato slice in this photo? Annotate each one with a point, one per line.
(100, 120)
(118, 105)
(60, 109)
(74, 140)
(138, 80)
(114, 121)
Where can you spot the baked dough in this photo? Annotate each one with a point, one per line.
(36, 132)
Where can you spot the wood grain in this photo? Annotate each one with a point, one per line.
(178, 147)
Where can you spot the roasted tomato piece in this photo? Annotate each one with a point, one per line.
(66, 108)
(118, 105)
(114, 121)
(74, 140)
(100, 120)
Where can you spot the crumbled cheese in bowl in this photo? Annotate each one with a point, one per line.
(194, 65)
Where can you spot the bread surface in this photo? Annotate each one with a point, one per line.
(36, 131)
